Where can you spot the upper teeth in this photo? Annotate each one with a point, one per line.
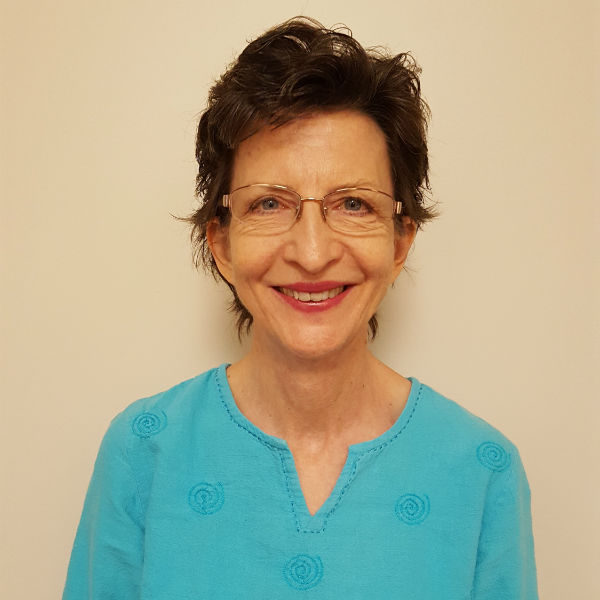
(312, 296)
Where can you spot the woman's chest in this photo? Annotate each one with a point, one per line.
(240, 522)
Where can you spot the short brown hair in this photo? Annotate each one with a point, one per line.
(297, 68)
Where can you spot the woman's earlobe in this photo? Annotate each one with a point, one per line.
(403, 241)
(217, 238)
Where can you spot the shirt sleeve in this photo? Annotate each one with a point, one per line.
(505, 568)
(107, 555)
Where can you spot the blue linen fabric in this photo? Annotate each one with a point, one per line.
(189, 500)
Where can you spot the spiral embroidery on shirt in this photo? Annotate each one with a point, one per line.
(412, 509)
(303, 572)
(147, 424)
(493, 456)
(207, 498)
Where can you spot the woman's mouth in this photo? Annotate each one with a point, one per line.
(313, 297)
(303, 296)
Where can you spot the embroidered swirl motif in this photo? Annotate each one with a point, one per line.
(412, 509)
(207, 498)
(493, 456)
(147, 424)
(303, 572)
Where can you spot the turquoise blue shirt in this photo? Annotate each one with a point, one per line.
(189, 500)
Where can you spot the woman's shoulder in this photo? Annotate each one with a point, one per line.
(449, 423)
(147, 417)
(447, 440)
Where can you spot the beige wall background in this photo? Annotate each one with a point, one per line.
(101, 305)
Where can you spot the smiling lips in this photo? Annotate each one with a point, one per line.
(314, 296)
(305, 296)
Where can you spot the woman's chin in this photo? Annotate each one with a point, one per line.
(313, 343)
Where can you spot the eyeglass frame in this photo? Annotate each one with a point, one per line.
(226, 199)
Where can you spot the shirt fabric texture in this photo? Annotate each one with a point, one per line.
(189, 500)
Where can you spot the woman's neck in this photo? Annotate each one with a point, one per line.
(342, 399)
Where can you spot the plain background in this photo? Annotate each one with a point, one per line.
(101, 304)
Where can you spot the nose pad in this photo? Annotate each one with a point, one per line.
(311, 245)
(322, 204)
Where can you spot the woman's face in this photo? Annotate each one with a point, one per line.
(274, 274)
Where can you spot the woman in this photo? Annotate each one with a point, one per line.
(308, 466)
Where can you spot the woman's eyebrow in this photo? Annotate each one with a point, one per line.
(356, 183)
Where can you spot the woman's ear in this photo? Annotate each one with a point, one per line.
(217, 238)
(403, 240)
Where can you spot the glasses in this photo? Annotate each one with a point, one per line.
(273, 209)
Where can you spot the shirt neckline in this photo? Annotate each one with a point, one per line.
(387, 436)
(304, 521)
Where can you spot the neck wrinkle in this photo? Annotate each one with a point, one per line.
(314, 401)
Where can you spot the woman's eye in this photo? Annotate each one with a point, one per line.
(266, 204)
(355, 205)
(269, 203)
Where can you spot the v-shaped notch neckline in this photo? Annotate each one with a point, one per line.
(316, 523)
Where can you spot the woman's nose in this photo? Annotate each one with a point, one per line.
(311, 243)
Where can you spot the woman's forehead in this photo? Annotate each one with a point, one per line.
(339, 147)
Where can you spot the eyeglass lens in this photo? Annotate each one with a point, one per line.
(273, 209)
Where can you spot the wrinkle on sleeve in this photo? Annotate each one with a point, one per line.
(505, 568)
(107, 556)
